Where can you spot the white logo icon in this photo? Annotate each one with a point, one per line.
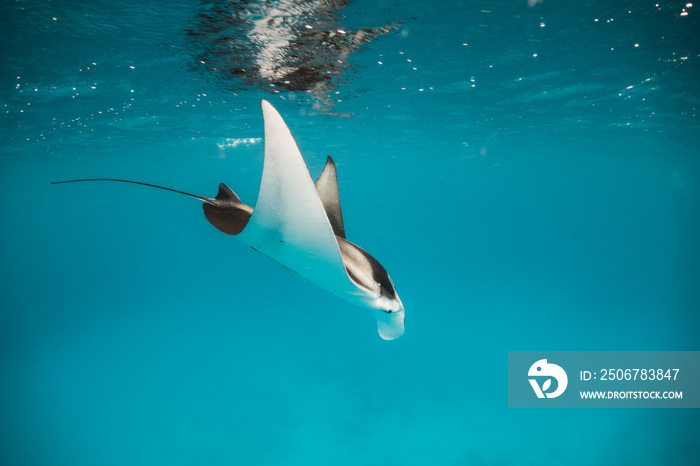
(543, 369)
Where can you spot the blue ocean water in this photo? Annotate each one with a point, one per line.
(528, 173)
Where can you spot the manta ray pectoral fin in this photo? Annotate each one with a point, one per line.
(228, 213)
(289, 223)
(327, 188)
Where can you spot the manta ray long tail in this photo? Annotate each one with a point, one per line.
(226, 211)
(201, 198)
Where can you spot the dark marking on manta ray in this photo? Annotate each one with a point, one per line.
(299, 224)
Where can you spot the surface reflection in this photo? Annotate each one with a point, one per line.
(288, 45)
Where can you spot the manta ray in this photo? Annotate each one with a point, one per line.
(299, 224)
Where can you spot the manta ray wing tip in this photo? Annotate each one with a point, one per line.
(264, 104)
